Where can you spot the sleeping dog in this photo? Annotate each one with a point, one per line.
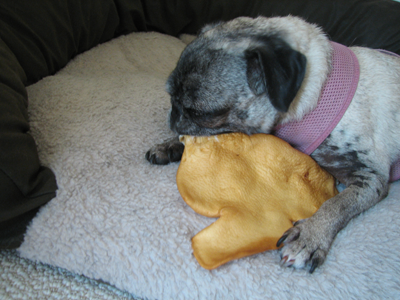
(257, 75)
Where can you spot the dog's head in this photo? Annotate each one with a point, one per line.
(235, 77)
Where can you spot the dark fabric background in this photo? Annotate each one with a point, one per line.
(38, 38)
(372, 23)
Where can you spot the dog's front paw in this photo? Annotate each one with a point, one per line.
(305, 246)
(163, 154)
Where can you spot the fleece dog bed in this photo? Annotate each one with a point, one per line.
(121, 220)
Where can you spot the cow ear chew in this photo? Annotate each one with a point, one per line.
(256, 185)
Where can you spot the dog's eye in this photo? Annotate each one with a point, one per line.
(193, 112)
(186, 114)
(204, 114)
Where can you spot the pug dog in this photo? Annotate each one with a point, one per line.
(254, 75)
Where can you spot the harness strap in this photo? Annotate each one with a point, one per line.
(307, 134)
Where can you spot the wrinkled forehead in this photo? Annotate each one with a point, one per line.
(200, 64)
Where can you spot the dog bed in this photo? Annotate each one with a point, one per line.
(115, 217)
(119, 219)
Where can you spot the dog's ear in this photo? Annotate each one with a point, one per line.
(273, 67)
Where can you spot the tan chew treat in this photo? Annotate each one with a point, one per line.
(257, 185)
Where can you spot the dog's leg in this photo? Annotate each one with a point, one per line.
(307, 243)
(355, 165)
(169, 151)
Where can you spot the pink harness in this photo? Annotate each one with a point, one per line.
(306, 135)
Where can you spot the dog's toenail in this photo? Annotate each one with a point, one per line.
(281, 240)
(284, 260)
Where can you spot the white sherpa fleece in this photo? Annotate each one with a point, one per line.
(122, 220)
